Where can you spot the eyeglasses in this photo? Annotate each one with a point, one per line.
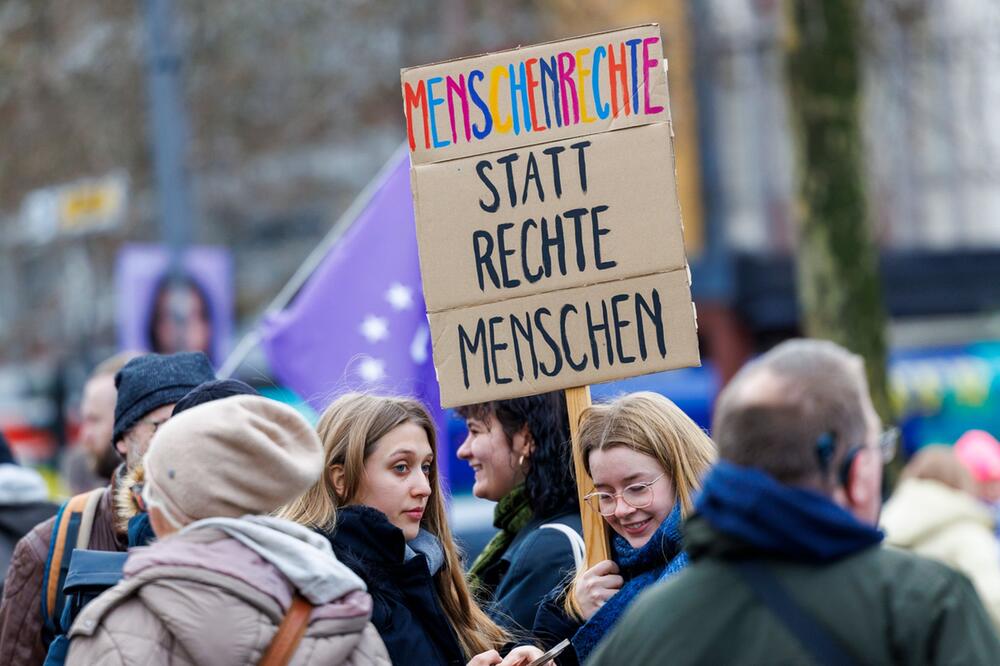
(637, 496)
(888, 443)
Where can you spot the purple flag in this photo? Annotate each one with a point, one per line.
(359, 322)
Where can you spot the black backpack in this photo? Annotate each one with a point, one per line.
(91, 572)
(74, 576)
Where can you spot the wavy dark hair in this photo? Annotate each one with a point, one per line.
(551, 479)
(160, 290)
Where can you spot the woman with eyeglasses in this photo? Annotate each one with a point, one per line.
(646, 458)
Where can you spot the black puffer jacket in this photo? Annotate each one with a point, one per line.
(406, 612)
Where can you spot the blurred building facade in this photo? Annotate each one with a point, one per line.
(931, 154)
(294, 105)
(933, 144)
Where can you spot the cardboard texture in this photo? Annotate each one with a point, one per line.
(551, 257)
(565, 338)
(630, 198)
(535, 94)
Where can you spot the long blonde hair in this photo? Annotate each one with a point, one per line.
(652, 425)
(350, 429)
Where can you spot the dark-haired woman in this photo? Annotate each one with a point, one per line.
(520, 453)
(180, 318)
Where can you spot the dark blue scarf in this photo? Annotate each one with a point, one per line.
(140, 531)
(792, 523)
(640, 567)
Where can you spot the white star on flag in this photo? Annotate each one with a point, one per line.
(371, 369)
(375, 329)
(400, 296)
(418, 346)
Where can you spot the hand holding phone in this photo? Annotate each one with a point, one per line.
(551, 654)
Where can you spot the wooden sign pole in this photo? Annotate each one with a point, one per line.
(595, 534)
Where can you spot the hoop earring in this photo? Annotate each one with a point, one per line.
(520, 461)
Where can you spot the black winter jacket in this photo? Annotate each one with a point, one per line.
(552, 624)
(406, 611)
(536, 562)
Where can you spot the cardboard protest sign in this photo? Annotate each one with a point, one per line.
(550, 236)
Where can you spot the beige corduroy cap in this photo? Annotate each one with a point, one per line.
(241, 455)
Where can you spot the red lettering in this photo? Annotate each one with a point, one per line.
(532, 84)
(412, 100)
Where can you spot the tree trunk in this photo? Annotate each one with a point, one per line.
(840, 294)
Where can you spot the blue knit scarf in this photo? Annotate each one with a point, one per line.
(792, 523)
(140, 531)
(660, 557)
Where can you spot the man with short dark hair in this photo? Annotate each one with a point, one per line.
(786, 563)
(148, 386)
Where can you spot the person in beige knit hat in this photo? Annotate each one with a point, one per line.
(228, 458)
(222, 574)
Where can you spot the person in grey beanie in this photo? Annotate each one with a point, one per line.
(148, 387)
(131, 515)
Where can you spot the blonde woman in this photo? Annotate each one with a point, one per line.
(647, 460)
(379, 502)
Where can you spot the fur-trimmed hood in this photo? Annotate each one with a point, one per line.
(126, 505)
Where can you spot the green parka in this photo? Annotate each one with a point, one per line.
(884, 606)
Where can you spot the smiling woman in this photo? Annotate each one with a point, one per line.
(520, 452)
(380, 505)
(647, 459)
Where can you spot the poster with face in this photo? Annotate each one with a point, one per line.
(189, 311)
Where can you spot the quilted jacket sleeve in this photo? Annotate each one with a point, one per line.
(21, 608)
(128, 635)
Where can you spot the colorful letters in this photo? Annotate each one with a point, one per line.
(533, 95)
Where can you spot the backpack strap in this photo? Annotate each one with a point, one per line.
(576, 543)
(811, 635)
(73, 526)
(87, 517)
(290, 632)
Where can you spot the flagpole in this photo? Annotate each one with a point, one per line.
(253, 338)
